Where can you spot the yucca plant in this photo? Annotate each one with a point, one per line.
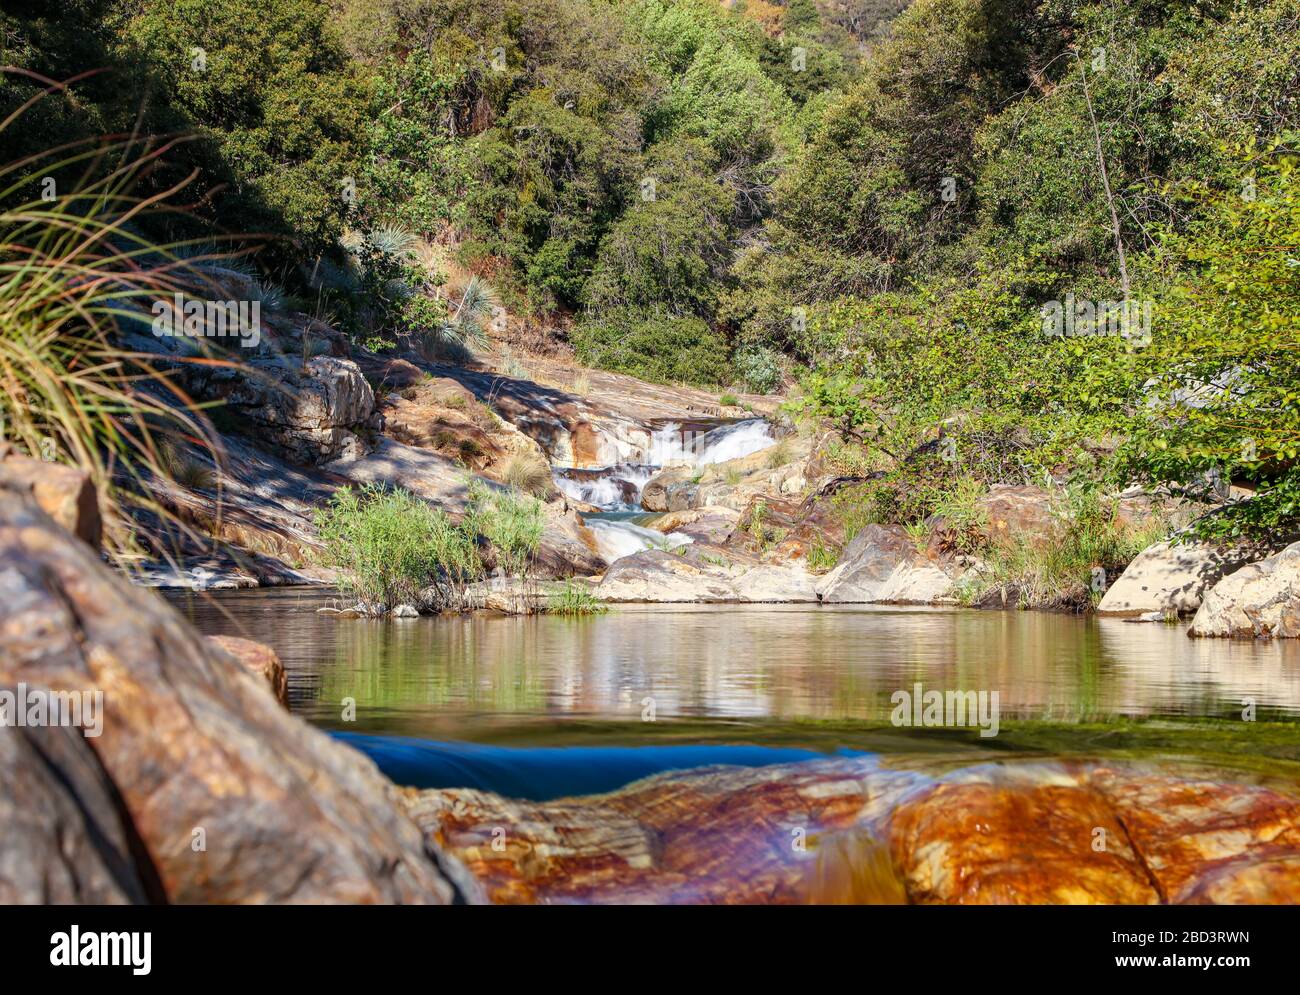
(74, 271)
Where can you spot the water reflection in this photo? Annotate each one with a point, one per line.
(486, 678)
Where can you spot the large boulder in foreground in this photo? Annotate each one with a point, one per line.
(882, 564)
(849, 830)
(199, 788)
(1169, 578)
(1260, 600)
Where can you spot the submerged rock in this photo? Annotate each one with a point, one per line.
(851, 830)
(1260, 600)
(199, 787)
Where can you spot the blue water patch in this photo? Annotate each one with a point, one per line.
(543, 773)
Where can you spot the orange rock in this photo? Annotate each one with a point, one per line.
(259, 660)
(849, 830)
(62, 492)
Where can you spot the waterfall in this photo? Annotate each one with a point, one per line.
(616, 490)
(668, 447)
(615, 539)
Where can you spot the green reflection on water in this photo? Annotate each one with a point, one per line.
(811, 676)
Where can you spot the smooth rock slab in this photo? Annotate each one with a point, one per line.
(1168, 578)
(706, 574)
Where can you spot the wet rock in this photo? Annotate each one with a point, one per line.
(1260, 600)
(669, 490)
(850, 830)
(703, 525)
(1169, 577)
(882, 564)
(259, 660)
(229, 798)
(64, 493)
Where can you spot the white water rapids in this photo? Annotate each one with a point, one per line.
(618, 488)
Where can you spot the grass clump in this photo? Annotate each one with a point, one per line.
(1070, 567)
(779, 454)
(528, 473)
(393, 548)
(574, 599)
(822, 557)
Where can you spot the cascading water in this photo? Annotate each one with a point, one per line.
(616, 490)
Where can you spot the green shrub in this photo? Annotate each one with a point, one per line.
(759, 368)
(512, 522)
(662, 349)
(394, 548)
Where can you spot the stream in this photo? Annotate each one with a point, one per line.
(622, 526)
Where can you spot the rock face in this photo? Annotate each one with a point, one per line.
(62, 492)
(1019, 510)
(703, 573)
(200, 776)
(1169, 578)
(881, 564)
(259, 660)
(850, 830)
(1261, 599)
(310, 413)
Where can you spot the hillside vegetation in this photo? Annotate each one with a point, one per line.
(916, 224)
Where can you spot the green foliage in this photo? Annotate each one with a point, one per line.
(662, 349)
(275, 97)
(758, 368)
(1222, 380)
(393, 548)
(512, 522)
(574, 599)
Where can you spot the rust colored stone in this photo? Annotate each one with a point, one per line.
(259, 660)
(850, 830)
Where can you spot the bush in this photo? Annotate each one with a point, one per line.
(394, 548)
(512, 522)
(759, 368)
(574, 599)
(657, 348)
